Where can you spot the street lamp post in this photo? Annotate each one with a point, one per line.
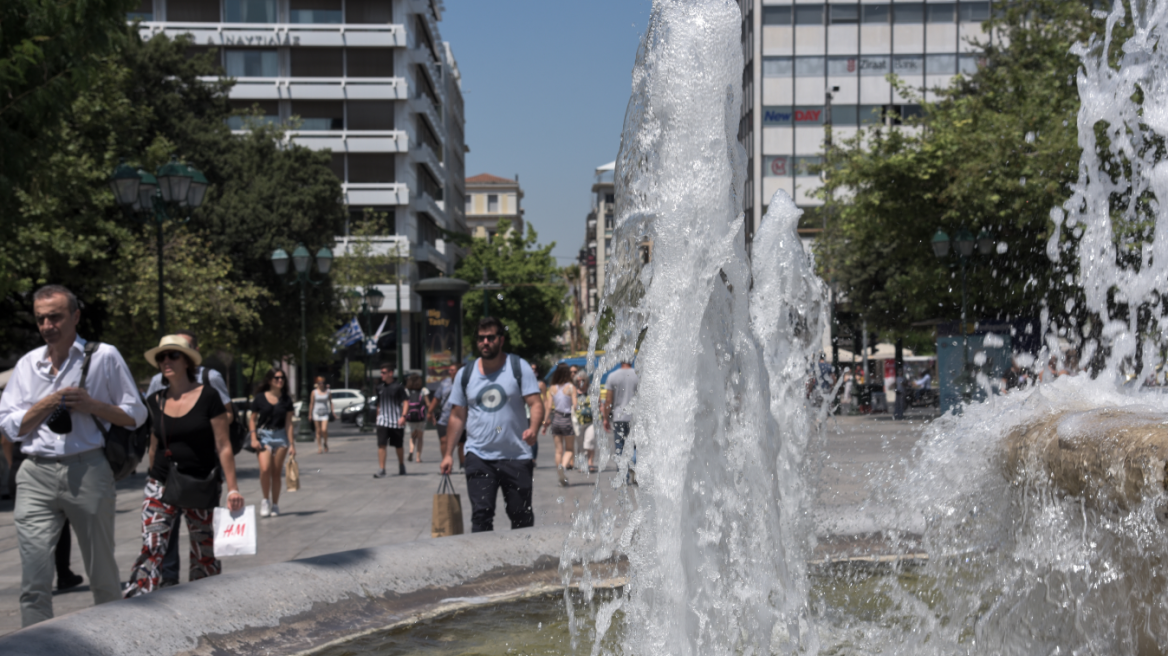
(964, 242)
(170, 195)
(302, 260)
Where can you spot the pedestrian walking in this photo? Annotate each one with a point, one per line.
(391, 420)
(170, 563)
(586, 429)
(489, 398)
(67, 579)
(440, 409)
(321, 399)
(60, 428)
(189, 446)
(618, 410)
(271, 436)
(562, 394)
(417, 400)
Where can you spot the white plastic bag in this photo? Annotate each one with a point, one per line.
(235, 533)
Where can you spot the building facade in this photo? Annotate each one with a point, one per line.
(372, 82)
(597, 243)
(490, 198)
(810, 64)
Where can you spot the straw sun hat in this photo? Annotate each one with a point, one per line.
(173, 343)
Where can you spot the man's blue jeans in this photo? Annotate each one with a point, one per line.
(620, 433)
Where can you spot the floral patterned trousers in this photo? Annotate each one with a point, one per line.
(157, 520)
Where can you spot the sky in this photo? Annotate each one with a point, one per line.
(545, 84)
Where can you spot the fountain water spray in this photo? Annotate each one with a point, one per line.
(713, 535)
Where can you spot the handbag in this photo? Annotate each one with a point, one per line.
(124, 447)
(292, 474)
(183, 490)
(447, 515)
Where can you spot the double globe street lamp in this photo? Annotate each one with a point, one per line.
(302, 261)
(171, 194)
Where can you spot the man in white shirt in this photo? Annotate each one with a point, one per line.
(66, 474)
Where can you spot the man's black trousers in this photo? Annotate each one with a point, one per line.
(483, 480)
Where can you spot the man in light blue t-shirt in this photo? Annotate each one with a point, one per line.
(488, 398)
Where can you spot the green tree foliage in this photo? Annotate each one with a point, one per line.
(997, 151)
(533, 290)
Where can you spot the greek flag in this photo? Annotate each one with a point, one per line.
(349, 334)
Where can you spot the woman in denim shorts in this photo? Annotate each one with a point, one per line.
(271, 436)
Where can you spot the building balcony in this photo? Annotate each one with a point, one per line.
(318, 88)
(281, 34)
(375, 194)
(424, 154)
(422, 104)
(423, 202)
(432, 253)
(353, 141)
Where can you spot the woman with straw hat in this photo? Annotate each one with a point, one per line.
(190, 440)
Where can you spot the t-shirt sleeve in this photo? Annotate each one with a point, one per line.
(215, 380)
(215, 405)
(456, 395)
(530, 383)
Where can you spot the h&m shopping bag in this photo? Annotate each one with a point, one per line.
(235, 532)
(447, 517)
(292, 474)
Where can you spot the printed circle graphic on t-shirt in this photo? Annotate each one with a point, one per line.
(492, 398)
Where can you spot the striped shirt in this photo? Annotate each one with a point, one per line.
(389, 399)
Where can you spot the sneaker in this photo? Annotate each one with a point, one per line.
(410, 458)
(265, 508)
(563, 476)
(381, 474)
(401, 470)
(69, 581)
(275, 510)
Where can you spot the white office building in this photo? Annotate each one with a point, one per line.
(370, 80)
(796, 52)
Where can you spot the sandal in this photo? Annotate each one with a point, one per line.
(592, 469)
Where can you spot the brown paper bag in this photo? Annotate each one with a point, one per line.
(447, 517)
(292, 474)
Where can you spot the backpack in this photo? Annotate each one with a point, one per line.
(516, 365)
(415, 410)
(584, 411)
(124, 447)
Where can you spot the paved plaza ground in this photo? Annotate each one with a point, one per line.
(341, 507)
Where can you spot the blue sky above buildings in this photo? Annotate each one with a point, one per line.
(546, 85)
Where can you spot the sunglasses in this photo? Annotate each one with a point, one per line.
(169, 355)
(279, 378)
(487, 338)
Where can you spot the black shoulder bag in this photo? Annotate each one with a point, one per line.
(182, 490)
(124, 447)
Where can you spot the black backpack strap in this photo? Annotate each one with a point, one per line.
(466, 379)
(517, 370)
(90, 348)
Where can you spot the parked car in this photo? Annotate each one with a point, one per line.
(354, 415)
(342, 399)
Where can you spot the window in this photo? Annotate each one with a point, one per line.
(874, 65)
(426, 135)
(428, 232)
(968, 64)
(370, 114)
(369, 62)
(809, 66)
(844, 115)
(425, 88)
(610, 198)
(843, 14)
(807, 165)
(874, 14)
(371, 167)
(912, 13)
(842, 66)
(143, 12)
(368, 11)
(777, 67)
(249, 11)
(492, 202)
(871, 114)
(252, 63)
(320, 114)
(192, 11)
(318, 62)
(941, 64)
(248, 111)
(973, 12)
(423, 38)
(776, 167)
(776, 15)
(427, 184)
(809, 14)
(908, 65)
(337, 165)
(315, 11)
(942, 13)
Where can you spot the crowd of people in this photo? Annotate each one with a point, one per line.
(63, 399)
